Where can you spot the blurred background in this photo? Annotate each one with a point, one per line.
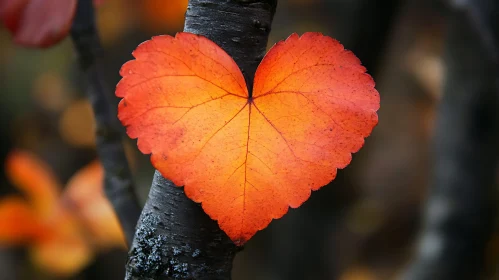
(363, 226)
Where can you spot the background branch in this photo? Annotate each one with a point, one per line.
(175, 239)
(118, 182)
(461, 208)
(483, 25)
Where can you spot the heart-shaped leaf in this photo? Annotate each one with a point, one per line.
(247, 157)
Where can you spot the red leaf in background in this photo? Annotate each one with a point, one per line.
(38, 23)
(10, 12)
(247, 159)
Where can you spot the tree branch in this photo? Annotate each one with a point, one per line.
(481, 25)
(461, 208)
(175, 239)
(118, 182)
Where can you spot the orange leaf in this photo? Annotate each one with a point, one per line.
(84, 196)
(246, 158)
(18, 223)
(35, 179)
(358, 273)
(64, 250)
(160, 14)
(37, 23)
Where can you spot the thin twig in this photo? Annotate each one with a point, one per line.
(474, 16)
(118, 182)
(462, 205)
